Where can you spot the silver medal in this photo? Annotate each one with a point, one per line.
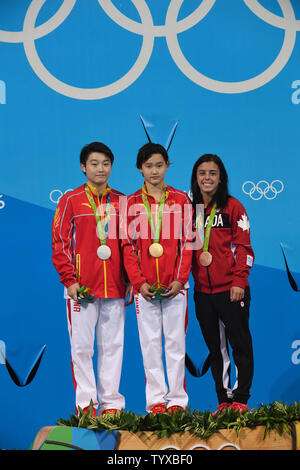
(104, 252)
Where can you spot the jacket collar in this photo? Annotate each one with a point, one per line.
(95, 190)
(144, 191)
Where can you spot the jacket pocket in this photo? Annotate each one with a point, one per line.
(221, 271)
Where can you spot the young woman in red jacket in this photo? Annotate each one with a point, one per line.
(87, 252)
(220, 270)
(157, 257)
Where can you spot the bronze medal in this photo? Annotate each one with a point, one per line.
(205, 258)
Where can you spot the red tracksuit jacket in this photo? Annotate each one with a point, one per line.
(75, 242)
(231, 250)
(175, 237)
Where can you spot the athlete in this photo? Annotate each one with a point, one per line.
(87, 255)
(157, 258)
(220, 270)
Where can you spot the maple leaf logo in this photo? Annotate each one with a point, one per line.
(243, 223)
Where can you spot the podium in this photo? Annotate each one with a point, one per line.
(71, 438)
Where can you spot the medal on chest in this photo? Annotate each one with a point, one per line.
(155, 249)
(102, 222)
(205, 257)
(103, 252)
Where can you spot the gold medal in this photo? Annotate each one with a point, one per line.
(156, 250)
(205, 258)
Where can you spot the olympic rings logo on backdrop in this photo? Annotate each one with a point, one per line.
(203, 446)
(56, 194)
(263, 189)
(2, 203)
(170, 30)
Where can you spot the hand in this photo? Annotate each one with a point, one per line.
(128, 292)
(146, 292)
(72, 291)
(174, 288)
(236, 294)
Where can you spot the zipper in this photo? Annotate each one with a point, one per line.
(207, 267)
(156, 259)
(78, 267)
(105, 280)
(157, 272)
(209, 280)
(104, 261)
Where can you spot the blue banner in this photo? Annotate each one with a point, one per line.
(203, 76)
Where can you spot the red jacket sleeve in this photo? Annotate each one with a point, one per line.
(244, 255)
(185, 248)
(62, 246)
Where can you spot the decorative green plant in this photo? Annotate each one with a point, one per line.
(275, 416)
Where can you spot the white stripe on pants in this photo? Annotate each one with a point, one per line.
(106, 317)
(156, 318)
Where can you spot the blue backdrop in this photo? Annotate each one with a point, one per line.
(72, 72)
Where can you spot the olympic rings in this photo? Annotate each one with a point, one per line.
(271, 18)
(161, 30)
(263, 191)
(59, 194)
(231, 87)
(87, 93)
(149, 31)
(44, 29)
(202, 446)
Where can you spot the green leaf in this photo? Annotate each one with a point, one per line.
(275, 416)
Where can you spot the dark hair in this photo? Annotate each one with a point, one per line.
(149, 149)
(222, 193)
(95, 147)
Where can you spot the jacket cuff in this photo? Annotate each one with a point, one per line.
(69, 283)
(139, 285)
(239, 282)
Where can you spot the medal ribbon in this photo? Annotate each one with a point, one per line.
(199, 227)
(208, 227)
(157, 228)
(102, 226)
